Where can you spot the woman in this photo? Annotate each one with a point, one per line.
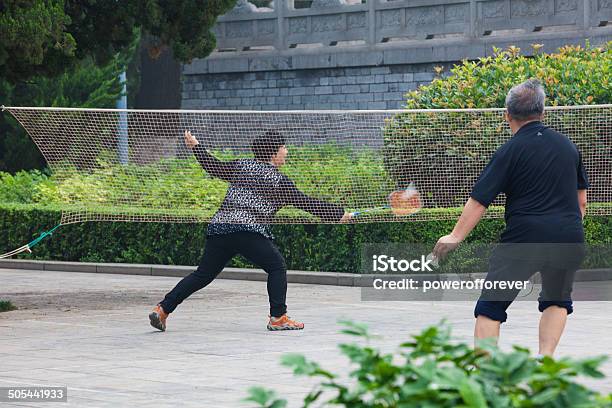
(257, 191)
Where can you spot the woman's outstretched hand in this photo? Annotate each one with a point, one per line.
(190, 140)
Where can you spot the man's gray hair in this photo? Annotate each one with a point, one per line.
(526, 100)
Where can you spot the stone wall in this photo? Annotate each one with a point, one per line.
(311, 89)
(342, 55)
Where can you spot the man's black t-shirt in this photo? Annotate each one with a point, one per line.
(540, 171)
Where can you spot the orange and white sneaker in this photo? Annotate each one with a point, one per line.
(158, 318)
(284, 323)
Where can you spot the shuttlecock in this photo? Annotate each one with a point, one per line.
(433, 259)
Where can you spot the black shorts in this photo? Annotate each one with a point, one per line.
(557, 264)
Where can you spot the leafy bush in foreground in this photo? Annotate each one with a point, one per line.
(431, 370)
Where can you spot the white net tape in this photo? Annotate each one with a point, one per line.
(111, 165)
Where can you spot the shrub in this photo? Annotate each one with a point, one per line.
(574, 75)
(22, 186)
(431, 370)
(450, 147)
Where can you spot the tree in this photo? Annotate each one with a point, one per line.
(84, 85)
(46, 37)
(69, 53)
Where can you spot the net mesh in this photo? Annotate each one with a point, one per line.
(112, 165)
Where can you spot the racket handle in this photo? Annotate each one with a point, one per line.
(358, 213)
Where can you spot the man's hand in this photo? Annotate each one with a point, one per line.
(347, 217)
(444, 245)
(190, 140)
(471, 214)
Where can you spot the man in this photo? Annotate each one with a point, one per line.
(542, 175)
(241, 225)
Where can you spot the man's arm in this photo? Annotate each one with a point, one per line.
(212, 165)
(492, 181)
(470, 216)
(582, 201)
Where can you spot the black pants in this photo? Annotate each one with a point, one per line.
(218, 251)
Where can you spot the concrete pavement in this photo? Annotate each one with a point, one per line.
(90, 332)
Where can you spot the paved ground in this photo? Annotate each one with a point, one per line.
(90, 332)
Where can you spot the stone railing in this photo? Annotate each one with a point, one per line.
(340, 22)
(342, 54)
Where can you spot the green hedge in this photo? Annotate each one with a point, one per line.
(305, 247)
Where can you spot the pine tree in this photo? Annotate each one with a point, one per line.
(45, 37)
(69, 53)
(84, 85)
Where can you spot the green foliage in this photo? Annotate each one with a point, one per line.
(6, 306)
(21, 187)
(432, 370)
(314, 247)
(339, 174)
(85, 85)
(45, 37)
(465, 141)
(180, 186)
(34, 37)
(265, 398)
(574, 75)
(172, 184)
(430, 148)
(462, 143)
